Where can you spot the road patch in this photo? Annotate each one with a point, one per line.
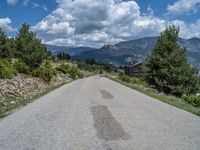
(106, 95)
(106, 125)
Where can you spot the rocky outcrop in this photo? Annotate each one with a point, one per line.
(23, 88)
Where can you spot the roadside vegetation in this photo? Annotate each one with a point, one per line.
(168, 75)
(92, 66)
(189, 103)
(26, 56)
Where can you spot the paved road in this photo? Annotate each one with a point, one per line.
(99, 114)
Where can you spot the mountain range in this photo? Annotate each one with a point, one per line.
(119, 53)
(71, 50)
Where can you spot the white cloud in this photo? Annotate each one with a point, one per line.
(11, 2)
(102, 21)
(188, 30)
(44, 8)
(184, 7)
(25, 2)
(14, 2)
(5, 24)
(36, 5)
(60, 41)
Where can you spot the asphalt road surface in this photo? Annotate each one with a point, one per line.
(98, 114)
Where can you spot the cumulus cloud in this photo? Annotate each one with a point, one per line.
(188, 30)
(85, 22)
(5, 24)
(97, 21)
(184, 7)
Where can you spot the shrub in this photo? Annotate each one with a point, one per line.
(101, 72)
(80, 74)
(74, 73)
(21, 67)
(7, 69)
(64, 68)
(124, 78)
(192, 99)
(45, 72)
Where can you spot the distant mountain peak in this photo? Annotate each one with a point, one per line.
(118, 53)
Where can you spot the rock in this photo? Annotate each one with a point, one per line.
(26, 87)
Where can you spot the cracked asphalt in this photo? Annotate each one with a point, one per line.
(98, 114)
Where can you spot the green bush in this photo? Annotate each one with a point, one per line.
(7, 69)
(45, 72)
(101, 72)
(192, 99)
(64, 68)
(124, 78)
(75, 73)
(72, 71)
(80, 74)
(21, 67)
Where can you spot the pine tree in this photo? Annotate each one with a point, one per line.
(63, 55)
(167, 67)
(29, 47)
(5, 50)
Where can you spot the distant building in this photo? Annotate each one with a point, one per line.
(135, 70)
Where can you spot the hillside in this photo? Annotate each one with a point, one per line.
(71, 50)
(118, 53)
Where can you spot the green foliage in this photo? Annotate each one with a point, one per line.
(45, 72)
(132, 80)
(64, 68)
(64, 56)
(90, 61)
(192, 99)
(21, 67)
(167, 67)
(5, 49)
(92, 66)
(7, 69)
(72, 71)
(124, 78)
(29, 49)
(101, 72)
(75, 73)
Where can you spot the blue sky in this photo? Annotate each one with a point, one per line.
(97, 22)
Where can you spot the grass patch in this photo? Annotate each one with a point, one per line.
(172, 100)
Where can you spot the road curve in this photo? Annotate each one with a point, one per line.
(98, 114)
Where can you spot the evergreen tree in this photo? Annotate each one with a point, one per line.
(167, 67)
(29, 47)
(63, 55)
(5, 50)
